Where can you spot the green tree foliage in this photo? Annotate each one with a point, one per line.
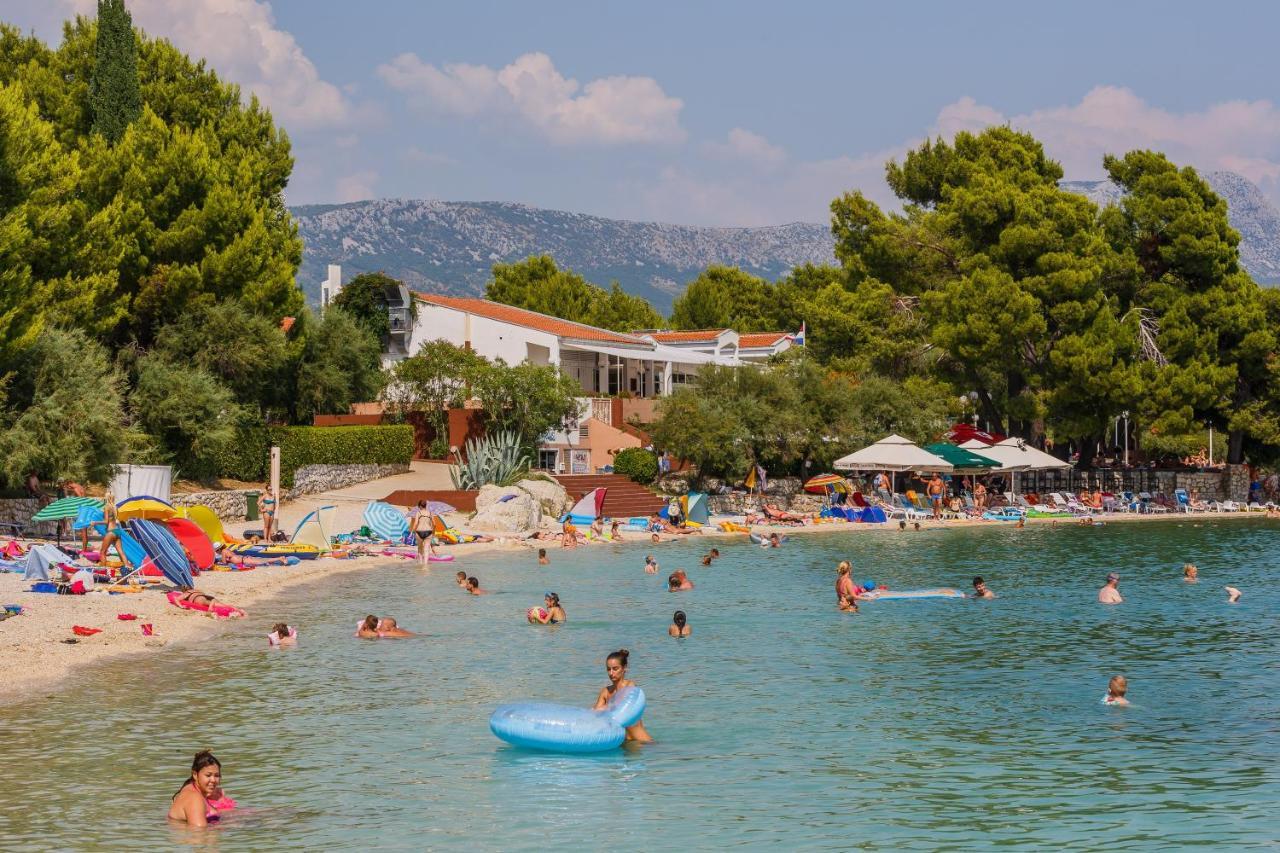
(432, 381)
(637, 463)
(244, 350)
(114, 90)
(75, 425)
(365, 298)
(185, 207)
(527, 399)
(337, 363)
(725, 298)
(190, 414)
(537, 284)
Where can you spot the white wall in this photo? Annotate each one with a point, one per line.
(489, 338)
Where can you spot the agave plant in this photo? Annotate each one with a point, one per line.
(499, 459)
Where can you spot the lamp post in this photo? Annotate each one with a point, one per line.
(1125, 415)
(1210, 423)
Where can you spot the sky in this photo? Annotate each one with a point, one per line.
(717, 112)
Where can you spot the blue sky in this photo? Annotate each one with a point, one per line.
(717, 113)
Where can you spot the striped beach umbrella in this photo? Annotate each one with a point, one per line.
(818, 485)
(385, 521)
(65, 508)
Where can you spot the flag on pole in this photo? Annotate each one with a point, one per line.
(798, 337)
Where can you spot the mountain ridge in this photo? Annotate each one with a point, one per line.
(450, 247)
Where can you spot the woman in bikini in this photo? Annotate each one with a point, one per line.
(191, 803)
(111, 524)
(616, 667)
(268, 509)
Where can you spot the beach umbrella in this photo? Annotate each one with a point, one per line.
(385, 521)
(145, 506)
(818, 485)
(439, 507)
(1009, 460)
(165, 551)
(65, 508)
(892, 453)
(965, 461)
(1034, 458)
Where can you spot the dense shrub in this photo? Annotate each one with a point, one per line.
(637, 463)
(249, 456)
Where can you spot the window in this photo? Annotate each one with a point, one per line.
(548, 459)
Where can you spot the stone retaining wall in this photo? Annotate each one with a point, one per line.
(739, 503)
(310, 479)
(19, 511)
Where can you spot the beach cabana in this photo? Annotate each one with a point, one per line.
(893, 454)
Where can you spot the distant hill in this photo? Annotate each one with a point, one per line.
(1248, 209)
(449, 247)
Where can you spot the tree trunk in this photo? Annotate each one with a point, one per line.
(1088, 450)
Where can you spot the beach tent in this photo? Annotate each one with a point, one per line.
(693, 507)
(386, 521)
(316, 528)
(589, 508)
(39, 559)
(208, 521)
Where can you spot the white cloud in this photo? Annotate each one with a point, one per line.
(358, 186)
(1240, 136)
(242, 43)
(747, 146)
(605, 111)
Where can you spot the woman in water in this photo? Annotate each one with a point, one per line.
(616, 667)
(1190, 573)
(556, 614)
(282, 635)
(679, 625)
(846, 589)
(423, 529)
(191, 803)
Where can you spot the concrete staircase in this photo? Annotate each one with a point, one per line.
(624, 498)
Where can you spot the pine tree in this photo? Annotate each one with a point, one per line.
(115, 95)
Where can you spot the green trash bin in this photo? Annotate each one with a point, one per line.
(251, 505)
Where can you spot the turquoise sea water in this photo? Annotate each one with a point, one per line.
(782, 722)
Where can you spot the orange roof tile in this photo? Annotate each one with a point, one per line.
(698, 336)
(529, 319)
(760, 339)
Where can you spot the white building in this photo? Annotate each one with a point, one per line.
(604, 362)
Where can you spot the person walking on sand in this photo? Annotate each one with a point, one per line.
(1110, 594)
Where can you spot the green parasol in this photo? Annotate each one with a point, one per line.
(65, 508)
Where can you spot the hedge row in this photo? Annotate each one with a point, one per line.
(637, 463)
(250, 458)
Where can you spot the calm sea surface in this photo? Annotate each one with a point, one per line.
(781, 722)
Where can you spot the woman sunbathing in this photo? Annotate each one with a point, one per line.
(776, 514)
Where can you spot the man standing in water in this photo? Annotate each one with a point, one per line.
(1110, 594)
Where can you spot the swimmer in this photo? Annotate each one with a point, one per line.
(679, 626)
(282, 635)
(191, 803)
(1116, 688)
(542, 560)
(679, 582)
(473, 586)
(774, 541)
(389, 630)
(368, 629)
(980, 589)
(1190, 574)
(846, 589)
(461, 579)
(1233, 595)
(917, 525)
(655, 538)
(650, 565)
(848, 604)
(555, 613)
(1110, 594)
(615, 531)
(902, 525)
(616, 668)
(1022, 522)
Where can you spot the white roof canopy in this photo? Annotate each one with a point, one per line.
(893, 453)
(1009, 459)
(1037, 460)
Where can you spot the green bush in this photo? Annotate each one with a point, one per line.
(249, 457)
(637, 463)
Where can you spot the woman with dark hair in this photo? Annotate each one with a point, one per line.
(679, 625)
(616, 667)
(555, 613)
(191, 803)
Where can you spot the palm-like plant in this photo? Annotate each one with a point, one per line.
(499, 459)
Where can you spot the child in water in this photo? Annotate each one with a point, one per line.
(542, 557)
(650, 565)
(461, 579)
(282, 635)
(1116, 688)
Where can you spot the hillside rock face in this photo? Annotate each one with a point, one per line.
(1248, 209)
(450, 247)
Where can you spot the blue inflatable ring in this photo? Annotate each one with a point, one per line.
(565, 728)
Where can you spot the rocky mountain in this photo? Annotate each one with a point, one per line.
(1250, 213)
(449, 247)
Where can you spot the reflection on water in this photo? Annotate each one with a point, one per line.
(780, 722)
